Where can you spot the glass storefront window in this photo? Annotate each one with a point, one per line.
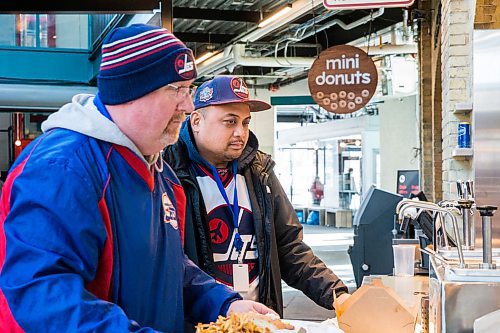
(26, 30)
(45, 31)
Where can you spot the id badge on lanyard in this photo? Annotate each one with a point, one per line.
(241, 278)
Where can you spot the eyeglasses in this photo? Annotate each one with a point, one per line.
(182, 91)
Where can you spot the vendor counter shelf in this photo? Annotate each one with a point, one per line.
(463, 108)
(462, 152)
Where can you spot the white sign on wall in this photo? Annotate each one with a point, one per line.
(360, 4)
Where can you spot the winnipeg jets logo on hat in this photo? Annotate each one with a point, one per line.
(184, 65)
(206, 94)
(170, 214)
(239, 87)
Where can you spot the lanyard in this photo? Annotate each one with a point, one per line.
(235, 209)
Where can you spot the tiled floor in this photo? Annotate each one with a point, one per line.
(329, 244)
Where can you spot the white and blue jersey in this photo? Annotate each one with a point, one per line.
(222, 229)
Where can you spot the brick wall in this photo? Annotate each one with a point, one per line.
(487, 14)
(456, 58)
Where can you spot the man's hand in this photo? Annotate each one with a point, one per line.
(341, 299)
(249, 306)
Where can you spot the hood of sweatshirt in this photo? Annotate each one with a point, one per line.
(83, 116)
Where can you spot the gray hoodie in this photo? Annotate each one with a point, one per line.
(82, 116)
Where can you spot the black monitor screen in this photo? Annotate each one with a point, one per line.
(377, 204)
(371, 253)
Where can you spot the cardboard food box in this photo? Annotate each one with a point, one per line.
(375, 309)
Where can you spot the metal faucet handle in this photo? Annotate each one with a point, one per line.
(460, 189)
(486, 210)
(470, 189)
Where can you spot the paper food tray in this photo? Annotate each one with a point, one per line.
(328, 326)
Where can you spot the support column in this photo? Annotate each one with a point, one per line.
(167, 17)
(430, 101)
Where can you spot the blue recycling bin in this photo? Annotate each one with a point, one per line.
(313, 218)
(300, 215)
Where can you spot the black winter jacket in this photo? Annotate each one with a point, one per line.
(282, 253)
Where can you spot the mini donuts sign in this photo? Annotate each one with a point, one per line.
(343, 79)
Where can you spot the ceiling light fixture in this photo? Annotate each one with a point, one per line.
(276, 15)
(211, 59)
(204, 57)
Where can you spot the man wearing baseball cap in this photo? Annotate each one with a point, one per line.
(92, 221)
(240, 226)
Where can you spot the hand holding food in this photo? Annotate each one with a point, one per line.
(250, 306)
(245, 323)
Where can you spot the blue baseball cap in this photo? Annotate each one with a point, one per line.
(225, 89)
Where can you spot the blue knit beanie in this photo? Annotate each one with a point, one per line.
(139, 59)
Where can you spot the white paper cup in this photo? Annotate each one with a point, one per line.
(404, 260)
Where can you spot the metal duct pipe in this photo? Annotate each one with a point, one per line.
(24, 97)
(235, 56)
(330, 24)
(241, 59)
(387, 49)
(216, 63)
(299, 8)
(354, 24)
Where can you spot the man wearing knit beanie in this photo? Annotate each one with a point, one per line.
(92, 221)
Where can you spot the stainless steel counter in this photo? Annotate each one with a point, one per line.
(459, 296)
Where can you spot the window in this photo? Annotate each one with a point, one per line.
(45, 31)
(26, 30)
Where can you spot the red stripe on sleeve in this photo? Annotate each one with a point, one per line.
(101, 285)
(7, 321)
(180, 200)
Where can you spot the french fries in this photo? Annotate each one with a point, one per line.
(235, 323)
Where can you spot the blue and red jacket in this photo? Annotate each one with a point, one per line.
(90, 236)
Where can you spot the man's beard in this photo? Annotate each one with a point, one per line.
(173, 128)
(231, 154)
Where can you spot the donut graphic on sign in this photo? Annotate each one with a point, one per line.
(239, 88)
